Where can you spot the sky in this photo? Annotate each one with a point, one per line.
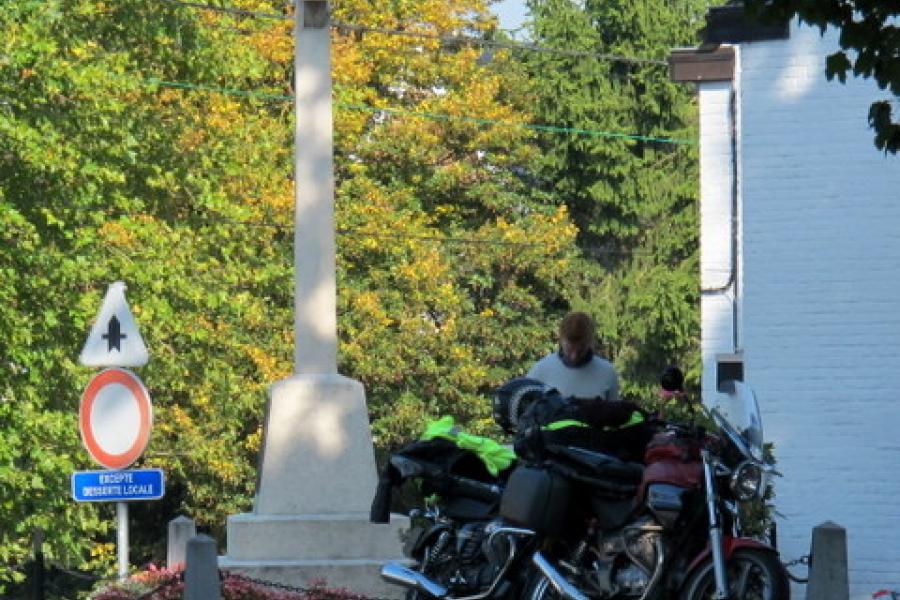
(511, 13)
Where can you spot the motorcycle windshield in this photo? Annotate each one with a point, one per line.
(737, 415)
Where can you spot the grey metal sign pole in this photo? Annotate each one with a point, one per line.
(122, 538)
(315, 310)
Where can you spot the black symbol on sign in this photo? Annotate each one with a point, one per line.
(114, 335)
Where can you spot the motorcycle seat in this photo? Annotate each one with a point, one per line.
(599, 464)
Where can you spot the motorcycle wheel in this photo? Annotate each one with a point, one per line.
(752, 575)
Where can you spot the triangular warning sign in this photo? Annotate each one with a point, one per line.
(114, 340)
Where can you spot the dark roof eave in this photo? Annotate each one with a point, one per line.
(707, 63)
(714, 60)
(731, 24)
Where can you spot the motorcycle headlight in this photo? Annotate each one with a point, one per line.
(747, 481)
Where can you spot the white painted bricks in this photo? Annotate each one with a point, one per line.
(819, 284)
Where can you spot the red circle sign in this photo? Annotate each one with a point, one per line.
(115, 417)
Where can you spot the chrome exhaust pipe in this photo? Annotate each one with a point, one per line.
(556, 579)
(394, 572)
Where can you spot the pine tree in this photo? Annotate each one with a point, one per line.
(632, 193)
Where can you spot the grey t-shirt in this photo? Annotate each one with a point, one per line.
(596, 378)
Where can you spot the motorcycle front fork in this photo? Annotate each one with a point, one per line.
(715, 527)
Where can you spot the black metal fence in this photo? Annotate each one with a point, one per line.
(49, 580)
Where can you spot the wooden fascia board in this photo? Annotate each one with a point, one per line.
(702, 64)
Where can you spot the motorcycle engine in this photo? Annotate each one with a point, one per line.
(468, 559)
(631, 580)
(625, 561)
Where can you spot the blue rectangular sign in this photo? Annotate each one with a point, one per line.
(117, 486)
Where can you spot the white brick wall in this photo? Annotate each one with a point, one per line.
(716, 190)
(819, 318)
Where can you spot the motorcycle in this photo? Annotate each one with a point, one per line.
(460, 548)
(669, 530)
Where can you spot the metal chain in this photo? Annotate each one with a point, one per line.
(271, 584)
(78, 574)
(289, 588)
(164, 586)
(804, 560)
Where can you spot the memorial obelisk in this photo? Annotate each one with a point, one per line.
(317, 469)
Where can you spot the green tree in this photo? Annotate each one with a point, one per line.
(632, 192)
(870, 47)
(151, 142)
(450, 259)
(105, 175)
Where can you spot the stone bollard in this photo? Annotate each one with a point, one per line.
(828, 579)
(38, 575)
(201, 572)
(181, 529)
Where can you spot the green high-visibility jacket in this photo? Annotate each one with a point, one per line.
(495, 456)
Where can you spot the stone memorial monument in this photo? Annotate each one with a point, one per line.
(317, 476)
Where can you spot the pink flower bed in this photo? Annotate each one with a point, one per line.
(168, 584)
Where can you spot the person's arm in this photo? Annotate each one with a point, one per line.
(538, 370)
(613, 395)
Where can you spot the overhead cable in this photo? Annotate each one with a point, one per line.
(427, 115)
(464, 40)
(444, 40)
(442, 239)
(232, 11)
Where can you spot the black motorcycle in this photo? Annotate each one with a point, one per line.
(674, 533)
(581, 524)
(459, 546)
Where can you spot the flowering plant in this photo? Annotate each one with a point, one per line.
(156, 583)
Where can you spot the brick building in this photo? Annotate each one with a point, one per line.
(800, 269)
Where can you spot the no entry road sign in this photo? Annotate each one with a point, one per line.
(118, 486)
(115, 418)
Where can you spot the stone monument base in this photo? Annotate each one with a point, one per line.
(299, 550)
(310, 518)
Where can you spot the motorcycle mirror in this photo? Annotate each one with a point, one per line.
(672, 380)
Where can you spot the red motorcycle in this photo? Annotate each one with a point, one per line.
(670, 530)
